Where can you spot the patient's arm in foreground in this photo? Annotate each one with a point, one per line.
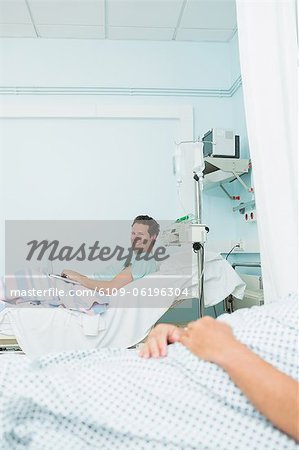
(272, 392)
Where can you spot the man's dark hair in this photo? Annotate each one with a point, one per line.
(153, 226)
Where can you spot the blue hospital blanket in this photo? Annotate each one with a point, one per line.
(112, 399)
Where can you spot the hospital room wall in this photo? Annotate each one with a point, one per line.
(80, 63)
(247, 231)
(75, 62)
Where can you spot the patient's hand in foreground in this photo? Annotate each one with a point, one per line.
(209, 339)
(271, 391)
(206, 338)
(158, 339)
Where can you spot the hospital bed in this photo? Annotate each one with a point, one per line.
(114, 399)
(128, 319)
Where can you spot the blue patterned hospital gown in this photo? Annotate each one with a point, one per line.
(112, 399)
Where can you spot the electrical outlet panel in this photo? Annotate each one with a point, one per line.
(238, 244)
(250, 216)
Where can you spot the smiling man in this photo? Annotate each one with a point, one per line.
(144, 233)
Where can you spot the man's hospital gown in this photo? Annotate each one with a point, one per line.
(139, 268)
(113, 399)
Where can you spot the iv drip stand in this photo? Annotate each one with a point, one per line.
(198, 247)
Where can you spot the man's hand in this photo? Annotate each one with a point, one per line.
(72, 275)
(209, 339)
(158, 339)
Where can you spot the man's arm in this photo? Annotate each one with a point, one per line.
(122, 279)
(272, 392)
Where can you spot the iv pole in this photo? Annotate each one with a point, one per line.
(198, 247)
(198, 230)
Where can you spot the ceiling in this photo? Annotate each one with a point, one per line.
(150, 20)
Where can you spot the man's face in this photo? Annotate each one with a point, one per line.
(140, 238)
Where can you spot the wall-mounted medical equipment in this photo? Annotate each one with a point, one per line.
(243, 207)
(219, 171)
(248, 210)
(184, 232)
(221, 143)
(250, 216)
(213, 171)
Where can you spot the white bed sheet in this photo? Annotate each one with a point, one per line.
(127, 320)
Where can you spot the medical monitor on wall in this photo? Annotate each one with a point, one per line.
(221, 143)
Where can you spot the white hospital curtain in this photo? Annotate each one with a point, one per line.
(268, 58)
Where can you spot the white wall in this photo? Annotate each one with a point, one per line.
(73, 62)
(88, 169)
(51, 165)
